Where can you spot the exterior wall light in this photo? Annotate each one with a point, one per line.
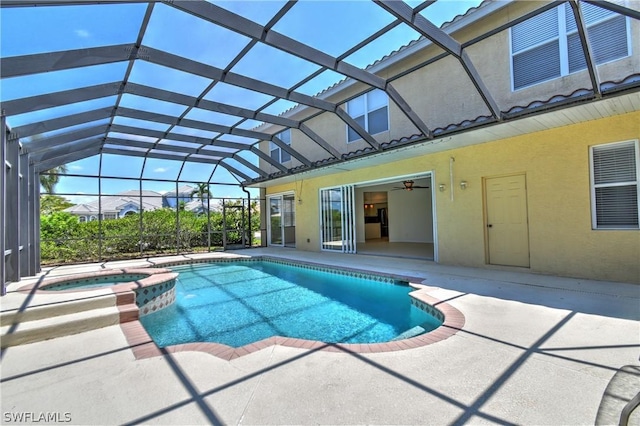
(442, 187)
(463, 184)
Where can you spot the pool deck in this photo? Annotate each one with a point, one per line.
(533, 349)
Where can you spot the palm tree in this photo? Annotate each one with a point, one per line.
(50, 179)
(201, 191)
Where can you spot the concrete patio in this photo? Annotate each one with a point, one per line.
(534, 350)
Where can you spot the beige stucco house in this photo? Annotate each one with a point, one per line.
(550, 186)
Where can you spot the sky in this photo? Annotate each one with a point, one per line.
(333, 26)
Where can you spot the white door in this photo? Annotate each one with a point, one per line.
(507, 221)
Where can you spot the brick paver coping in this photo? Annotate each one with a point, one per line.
(152, 276)
(144, 347)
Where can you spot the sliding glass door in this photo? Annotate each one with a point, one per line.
(275, 221)
(337, 219)
(282, 220)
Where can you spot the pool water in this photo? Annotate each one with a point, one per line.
(239, 303)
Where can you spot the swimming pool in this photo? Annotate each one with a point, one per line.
(237, 303)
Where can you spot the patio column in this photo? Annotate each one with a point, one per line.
(3, 199)
(263, 217)
(34, 220)
(11, 199)
(25, 213)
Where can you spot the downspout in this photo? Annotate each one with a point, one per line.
(248, 213)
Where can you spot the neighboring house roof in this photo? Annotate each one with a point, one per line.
(80, 209)
(195, 205)
(151, 200)
(183, 190)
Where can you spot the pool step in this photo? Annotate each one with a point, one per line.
(48, 321)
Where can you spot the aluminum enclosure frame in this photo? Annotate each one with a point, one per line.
(24, 160)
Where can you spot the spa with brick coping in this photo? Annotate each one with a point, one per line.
(150, 289)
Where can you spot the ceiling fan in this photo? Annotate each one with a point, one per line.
(409, 186)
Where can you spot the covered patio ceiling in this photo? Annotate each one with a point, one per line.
(195, 81)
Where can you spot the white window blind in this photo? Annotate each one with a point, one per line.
(276, 152)
(548, 45)
(614, 190)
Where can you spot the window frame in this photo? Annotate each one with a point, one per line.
(367, 112)
(593, 185)
(273, 147)
(563, 46)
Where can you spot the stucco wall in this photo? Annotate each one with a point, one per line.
(556, 164)
(441, 93)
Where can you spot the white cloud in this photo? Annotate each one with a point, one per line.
(80, 199)
(160, 170)
(82, 33)
(75, 168)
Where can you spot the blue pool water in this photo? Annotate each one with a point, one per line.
(239, 303)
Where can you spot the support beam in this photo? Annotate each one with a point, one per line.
(234, 170)
(64, 159)
(187, 65)
(172, 120)
(50, 100)
(3, 202)
(248, 165)
(404, 12)
(16, 66)
(12, 211)
(34, 221)
(615, 7)
(317, 139)
(215, 155)
(357, 128)
(287, 148)
(65, 138)
(165, 95)
(25, 214)
(409, 112)
(181, 158)
(31, 3)
(268, 159)
(201, 125)
(61, 123)
(586, 47)
(248, 28)
(69, 148)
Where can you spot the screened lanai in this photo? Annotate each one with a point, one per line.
(148, 101)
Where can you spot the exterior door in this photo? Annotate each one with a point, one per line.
(507, 220)
(337, 219)
(281, 228)
(276, 229)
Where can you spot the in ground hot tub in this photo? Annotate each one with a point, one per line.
(154, 288)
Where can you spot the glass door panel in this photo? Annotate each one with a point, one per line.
(337, 219)
(275, 221)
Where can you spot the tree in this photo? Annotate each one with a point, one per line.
(53, 203)
(50, 178)
(201, 191)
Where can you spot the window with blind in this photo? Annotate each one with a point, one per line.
(614, 185)
(277, 153)
(371, 111)
(548, 45)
